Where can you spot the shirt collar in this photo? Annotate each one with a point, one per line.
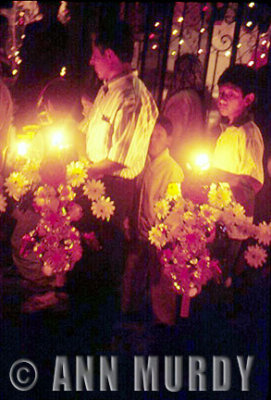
(117, 79)
(239, 121)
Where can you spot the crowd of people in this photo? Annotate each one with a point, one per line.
(137, 150)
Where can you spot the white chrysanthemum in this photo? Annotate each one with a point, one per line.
(3, 203)
(220, 195)
(161, 208)
(263, 233)
(94, 189)
(157, 235)
(255, 256)
(103, 208)
(76, 173)
(16, 185)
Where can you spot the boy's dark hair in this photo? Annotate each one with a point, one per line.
(165, 123)
(240, 75)
(117, 37)
(61, 93)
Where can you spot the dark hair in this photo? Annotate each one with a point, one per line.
(117, 37)
(240, 75)
(165, 123)
(61, 93)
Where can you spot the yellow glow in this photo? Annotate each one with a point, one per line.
(202, 30)
(202, 161)
(263, 55)
(175, 31)
(251, 5)
(63, 71)
(181, 41)
(154, 46)
(200, 51)
(180, 19)
(60, 139)
(228, 53)
(57, 139)
(157, 24)
(14, 72)
(249, 23)
(22, 148)
(173, 53)
(250, 63)
(239, 45)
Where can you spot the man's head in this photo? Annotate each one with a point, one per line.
(236, 91)
(161, 136)
(112, 50)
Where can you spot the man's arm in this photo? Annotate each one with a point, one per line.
(104, 167)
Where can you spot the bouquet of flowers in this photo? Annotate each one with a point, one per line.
(187, 232)
(51, 188)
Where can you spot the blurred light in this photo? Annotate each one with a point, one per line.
(154, 46)
(205, 8)
(23, 36)
(180, 19)
(251, 5)
(202, 30)
(175, 31)
(21, 14)
(63, 71)
(157, 24)
(181, 41)
(264, 42)
(200, 51)
(249, 24)
(202, 161)
(151, 36)
(251, 63)
(228, 53)
(57, 139)
(263, 55)
(16, 53)
(239, 45)
(22, 148)
(14, 71)
(173, 53)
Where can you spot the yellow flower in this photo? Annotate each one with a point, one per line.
(44, 196)
(31, 171)
(3, 203)
(209, 213)
(263, 233)
(161, 208)
(66, 193)
(76, 173)
(220, 195)
(103, 208)
(173, 191)
(237, 209)
(157, 235)
(17, 185)
(94, 189)
(255, 256)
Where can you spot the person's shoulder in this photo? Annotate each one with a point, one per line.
(251, 130)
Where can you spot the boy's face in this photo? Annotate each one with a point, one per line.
(231, 101)
(100, 63)
(159, 141)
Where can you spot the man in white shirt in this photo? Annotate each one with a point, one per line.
(122, 117)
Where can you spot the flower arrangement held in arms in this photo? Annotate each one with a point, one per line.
(53, 189)
(186, 233)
